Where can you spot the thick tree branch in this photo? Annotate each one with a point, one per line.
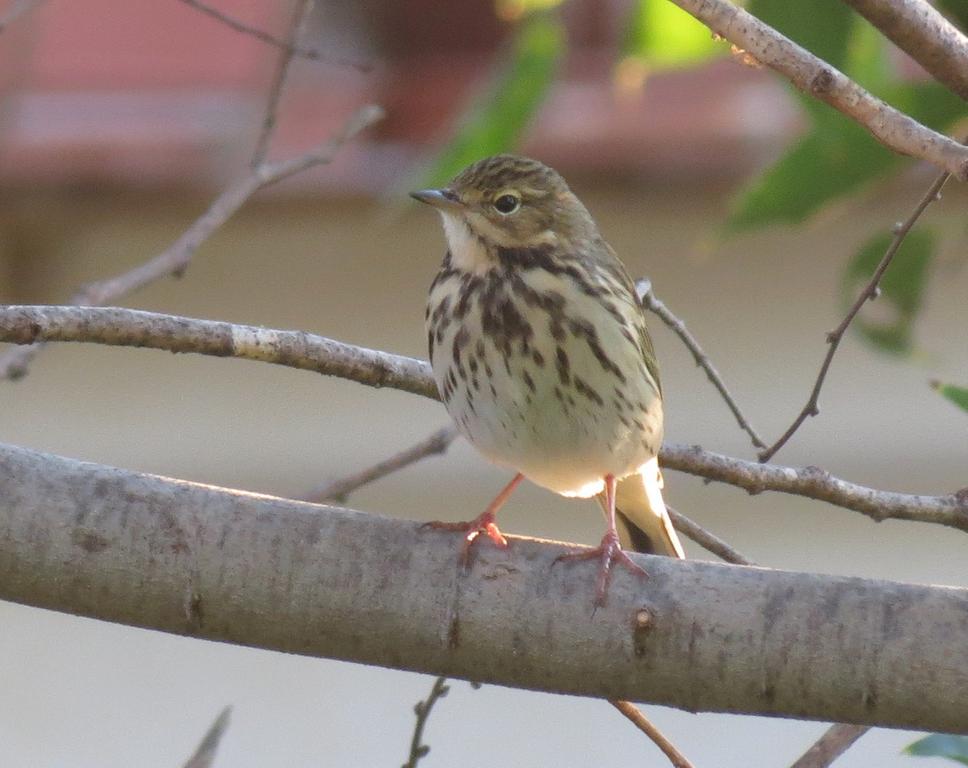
(174, 260)
(265, 572)
(22, 324)
(812, 75)
(925, 35)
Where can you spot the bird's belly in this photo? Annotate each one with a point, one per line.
(551, 411)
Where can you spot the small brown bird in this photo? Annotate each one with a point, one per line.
(540, 351)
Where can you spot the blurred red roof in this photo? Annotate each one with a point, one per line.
(151, 93)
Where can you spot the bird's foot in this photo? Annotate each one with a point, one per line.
(483, 523)
(606, 553)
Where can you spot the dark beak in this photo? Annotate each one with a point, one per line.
(442, 199)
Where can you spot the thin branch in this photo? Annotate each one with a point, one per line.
(297, 349)
(835, 741)
(641, 722)
(299, 17)
(815, 483)
(706, 539)
(870, 292)
(652, 302)
(205, 754)
(925, 35)
(293, 577)
(16, 10)
(295, 50)
(892, 128)
(422, 710)
(174, 260)
(338, 490)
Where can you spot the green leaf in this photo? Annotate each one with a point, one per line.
(832, 160)
(661, 35)
(496, 119)
(823, 27)
(867, 60)
(958, 396)
(941, 745)
(835, 158)
(929, 103)
(902, 288)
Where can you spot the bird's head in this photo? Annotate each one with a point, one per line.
(508, 201)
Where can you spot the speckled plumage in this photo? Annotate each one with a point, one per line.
(537, 340)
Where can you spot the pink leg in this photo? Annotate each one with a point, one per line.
(483, 523)
(609, 551)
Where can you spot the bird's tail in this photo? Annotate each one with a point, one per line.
(641, 517)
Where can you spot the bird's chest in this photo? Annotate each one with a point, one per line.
(534, 368)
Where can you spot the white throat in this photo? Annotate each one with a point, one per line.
(467, 252)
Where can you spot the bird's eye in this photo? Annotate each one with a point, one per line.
(507, 204)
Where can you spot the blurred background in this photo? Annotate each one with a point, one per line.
(755, 213)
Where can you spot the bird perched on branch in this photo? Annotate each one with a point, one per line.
(540, 351)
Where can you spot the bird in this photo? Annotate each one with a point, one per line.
(541, 355)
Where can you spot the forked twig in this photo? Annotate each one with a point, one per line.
(652, 302)
(299, 17)
(869, 293)
(422, 710)
(814, 76)
(641, 722)
(174, 260)
(296, 50)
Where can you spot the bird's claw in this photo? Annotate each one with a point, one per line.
(606, 553)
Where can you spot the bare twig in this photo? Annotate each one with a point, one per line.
(641, 722)
(297, 349)
(892, 128)
(338, 490)
(870, 292)
(17, 8)
(925, 35)
(205, 753)
(835, 741)
(174, 260)
(652, 302)
(299, 16)
(422, 709)
(296, 50)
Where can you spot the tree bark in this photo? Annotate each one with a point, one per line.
(290, 576)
